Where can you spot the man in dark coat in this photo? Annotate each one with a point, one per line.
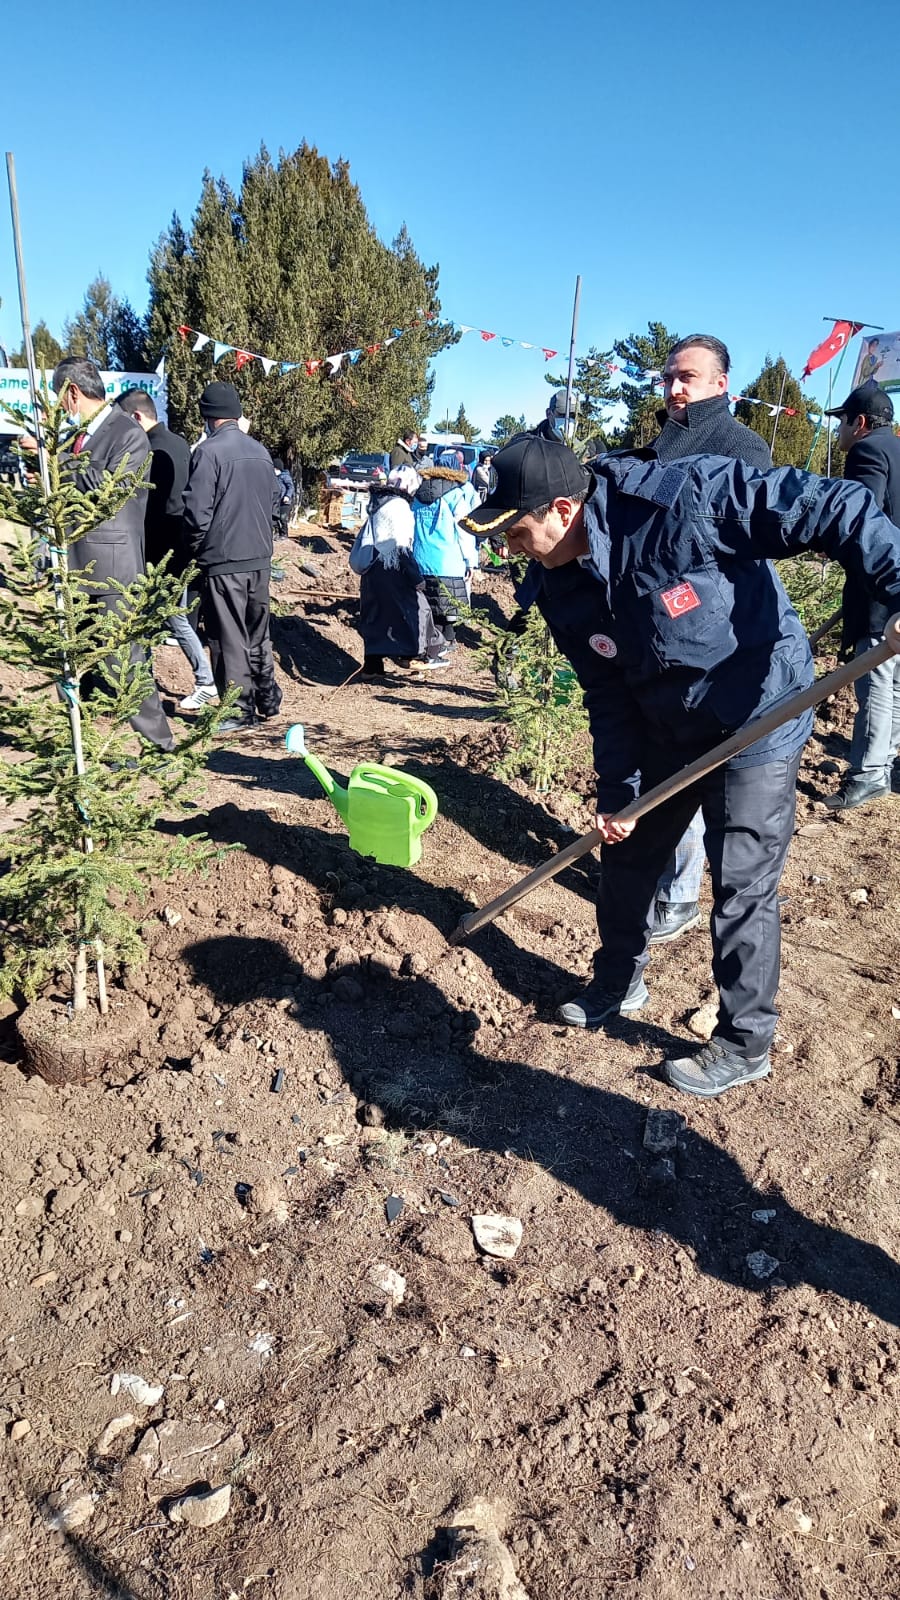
(230, 505)
(404, 451)
(873, 459)
(657, 584)
(116, 547)
(696, 421)
(170, 466)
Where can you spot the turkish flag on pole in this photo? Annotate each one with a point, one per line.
(840, 335)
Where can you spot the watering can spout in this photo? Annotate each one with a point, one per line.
(295, 741)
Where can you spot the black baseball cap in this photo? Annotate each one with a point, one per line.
(531, 472)
(869, 400)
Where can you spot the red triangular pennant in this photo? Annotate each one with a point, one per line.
(549, 354)
(485, 336)
(184, 331)
(313, 366)
(241, 359)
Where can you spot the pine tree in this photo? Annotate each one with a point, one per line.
(506, 428)
(89, 838)
(643, 353)
(459, 424)
(795, 433)
(291, 268)
(48, 351)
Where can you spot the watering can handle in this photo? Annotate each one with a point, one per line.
(427, 794)
(422, 792)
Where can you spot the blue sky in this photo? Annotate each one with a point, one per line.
(696, 163)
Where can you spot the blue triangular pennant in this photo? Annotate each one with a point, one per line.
(220, 350)
(354, 356)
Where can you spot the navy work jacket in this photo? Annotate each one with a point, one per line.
(677, 626)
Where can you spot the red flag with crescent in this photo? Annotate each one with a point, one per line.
(839, 337)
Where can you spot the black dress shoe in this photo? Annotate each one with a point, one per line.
(672, 918)
(236, 724)
(856, 789)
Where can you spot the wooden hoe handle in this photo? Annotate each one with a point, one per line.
(785, 712)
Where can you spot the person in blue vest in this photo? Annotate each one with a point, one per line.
(657, 584)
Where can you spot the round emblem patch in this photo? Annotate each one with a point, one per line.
(604, 645)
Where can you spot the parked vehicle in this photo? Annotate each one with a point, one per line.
(359, 470)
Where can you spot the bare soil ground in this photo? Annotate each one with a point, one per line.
(647, 1417)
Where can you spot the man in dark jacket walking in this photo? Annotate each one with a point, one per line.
(657, 585)
(116, 548)
(229, 507)
(170, 466)
(873, 459)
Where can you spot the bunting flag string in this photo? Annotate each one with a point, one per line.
(332, 363)
(487, 335)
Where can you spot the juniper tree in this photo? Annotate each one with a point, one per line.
(89, 838)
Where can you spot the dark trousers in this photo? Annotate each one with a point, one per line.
(749, 815)
(236, 623)
(123, 560)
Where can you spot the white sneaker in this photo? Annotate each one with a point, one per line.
(433, 666)
(205, 695)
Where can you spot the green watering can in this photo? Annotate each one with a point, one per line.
(386, 811)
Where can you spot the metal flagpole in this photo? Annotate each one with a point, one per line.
(828, 408)
(569, 406)
(69, 687)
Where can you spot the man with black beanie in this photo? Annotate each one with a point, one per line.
(230, 504)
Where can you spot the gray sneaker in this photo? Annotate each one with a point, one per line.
(714, 1069)
(598, 1001)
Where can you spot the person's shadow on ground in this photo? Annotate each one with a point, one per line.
(588, 1136)
(303, 650)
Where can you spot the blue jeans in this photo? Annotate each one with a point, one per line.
(876, 726)
(680, 883)
(193, 649)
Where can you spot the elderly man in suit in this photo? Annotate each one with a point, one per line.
(116, 548)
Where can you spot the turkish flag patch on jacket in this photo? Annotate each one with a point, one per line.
(683, 597)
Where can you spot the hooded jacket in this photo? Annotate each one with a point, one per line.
(677, 625)
(231, 500)
(441, 548)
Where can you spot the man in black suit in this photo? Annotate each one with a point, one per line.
(873, 459)
(170, 467)
(115, 547)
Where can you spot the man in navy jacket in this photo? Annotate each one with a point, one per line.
(230, 503)
(873, 459)
(658, 587)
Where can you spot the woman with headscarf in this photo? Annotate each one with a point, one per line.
(445, 553)
(394, 616)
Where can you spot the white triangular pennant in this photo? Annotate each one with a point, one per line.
(267, 364)
(334, 363)
(200, 342)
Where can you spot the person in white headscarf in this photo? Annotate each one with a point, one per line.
(394, 616)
